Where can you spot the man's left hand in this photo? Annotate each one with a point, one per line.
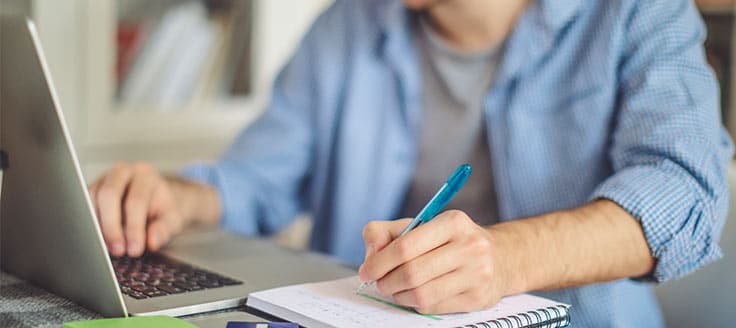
(444, 266)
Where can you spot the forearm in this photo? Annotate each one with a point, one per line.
(594, 243)
(198, 202)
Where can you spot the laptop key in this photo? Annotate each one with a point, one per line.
(154, 282)
(143, 289)
(171, 289)
(137, 295)
(133, 283)
(210, 284)
(156, 275)
(139, 276)
(188, 286)
(155, 293)
(195, 288)
(229, 282)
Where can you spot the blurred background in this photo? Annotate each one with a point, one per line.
(173, 81)
(165, 81)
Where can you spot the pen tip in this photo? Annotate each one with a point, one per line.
(361, 287)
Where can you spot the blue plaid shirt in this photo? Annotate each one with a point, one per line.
(593, 99)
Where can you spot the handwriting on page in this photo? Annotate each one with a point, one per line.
(339, 312)
(335, 303)
(348, 309)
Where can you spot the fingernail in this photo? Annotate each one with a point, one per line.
(117, 249)
(133, 248)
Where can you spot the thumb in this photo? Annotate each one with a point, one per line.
(378, 234)
(165, 221)
(161, 230)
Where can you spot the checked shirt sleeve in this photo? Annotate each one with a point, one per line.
(668, 149)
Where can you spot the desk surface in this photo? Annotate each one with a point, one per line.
(25, 305)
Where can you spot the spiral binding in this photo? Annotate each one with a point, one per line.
(550, 317)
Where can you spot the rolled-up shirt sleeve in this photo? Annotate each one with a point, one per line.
(242, 210)
(668, 149)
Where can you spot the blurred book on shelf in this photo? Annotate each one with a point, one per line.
(239, 56)
(175, 53)
(130, 38)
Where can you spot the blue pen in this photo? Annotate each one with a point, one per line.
(443, 196)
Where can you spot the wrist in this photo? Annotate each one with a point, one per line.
(197, 202)
(506, 257)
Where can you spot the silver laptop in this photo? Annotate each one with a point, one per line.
(50, 235)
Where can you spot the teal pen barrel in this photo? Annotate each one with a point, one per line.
(445, 194)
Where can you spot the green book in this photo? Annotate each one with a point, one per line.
(132, 322)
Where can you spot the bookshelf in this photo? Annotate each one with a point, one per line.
(80, 41)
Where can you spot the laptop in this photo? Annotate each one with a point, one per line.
(50, 235)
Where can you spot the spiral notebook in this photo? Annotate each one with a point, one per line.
(336, 304)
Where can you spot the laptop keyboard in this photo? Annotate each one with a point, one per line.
(153, 275)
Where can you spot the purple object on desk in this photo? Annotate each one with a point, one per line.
(241, 324)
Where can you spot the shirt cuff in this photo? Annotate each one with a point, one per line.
(235, 212)
(675, 217)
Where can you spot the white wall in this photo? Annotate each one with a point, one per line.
(281, 24)
(62, 54)
(70, 32)
(15, 7)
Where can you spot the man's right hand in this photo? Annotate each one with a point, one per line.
(140, 209)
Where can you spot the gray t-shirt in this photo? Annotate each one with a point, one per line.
(453, 129)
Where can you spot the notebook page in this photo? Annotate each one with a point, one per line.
(335, 303)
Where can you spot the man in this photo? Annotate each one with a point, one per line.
(596, 122)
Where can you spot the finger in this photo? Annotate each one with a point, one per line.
(109, 197)
(421, 270)
(165, 220)
(159, 232)
(157, 235)
(378, 234)
(137, 202)
(464, 302)
(421, 240)
(116, 248)
(434, 291)
(92, 191)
